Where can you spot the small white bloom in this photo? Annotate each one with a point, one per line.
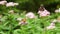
(19, 19)
(52, 24)
(11, 11)
(56, 10)
(16, 3)
(30, 15)
(3, 2)
(11, 4)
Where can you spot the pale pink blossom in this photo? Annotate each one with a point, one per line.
(30, 15)
(44, 13)
(11, 4)
(51, 26)
(3, 2)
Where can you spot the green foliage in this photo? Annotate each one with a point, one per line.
(34, 26)
(9, 23)
(33, 5)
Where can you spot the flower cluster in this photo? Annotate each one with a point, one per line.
(30, 15)
(52, 25)
(43, 13)
(11, 4)
(3, 2)
(8, 4)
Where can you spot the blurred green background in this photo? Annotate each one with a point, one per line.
(9, 24)
(33, 5)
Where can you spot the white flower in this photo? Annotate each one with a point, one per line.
(11, 4)
(54, 21)
(3, 2)
(30, 15)
(57, 10)
(43, 13)
(16, 3)
(11, 11)
(52, 26)
(19, 19)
